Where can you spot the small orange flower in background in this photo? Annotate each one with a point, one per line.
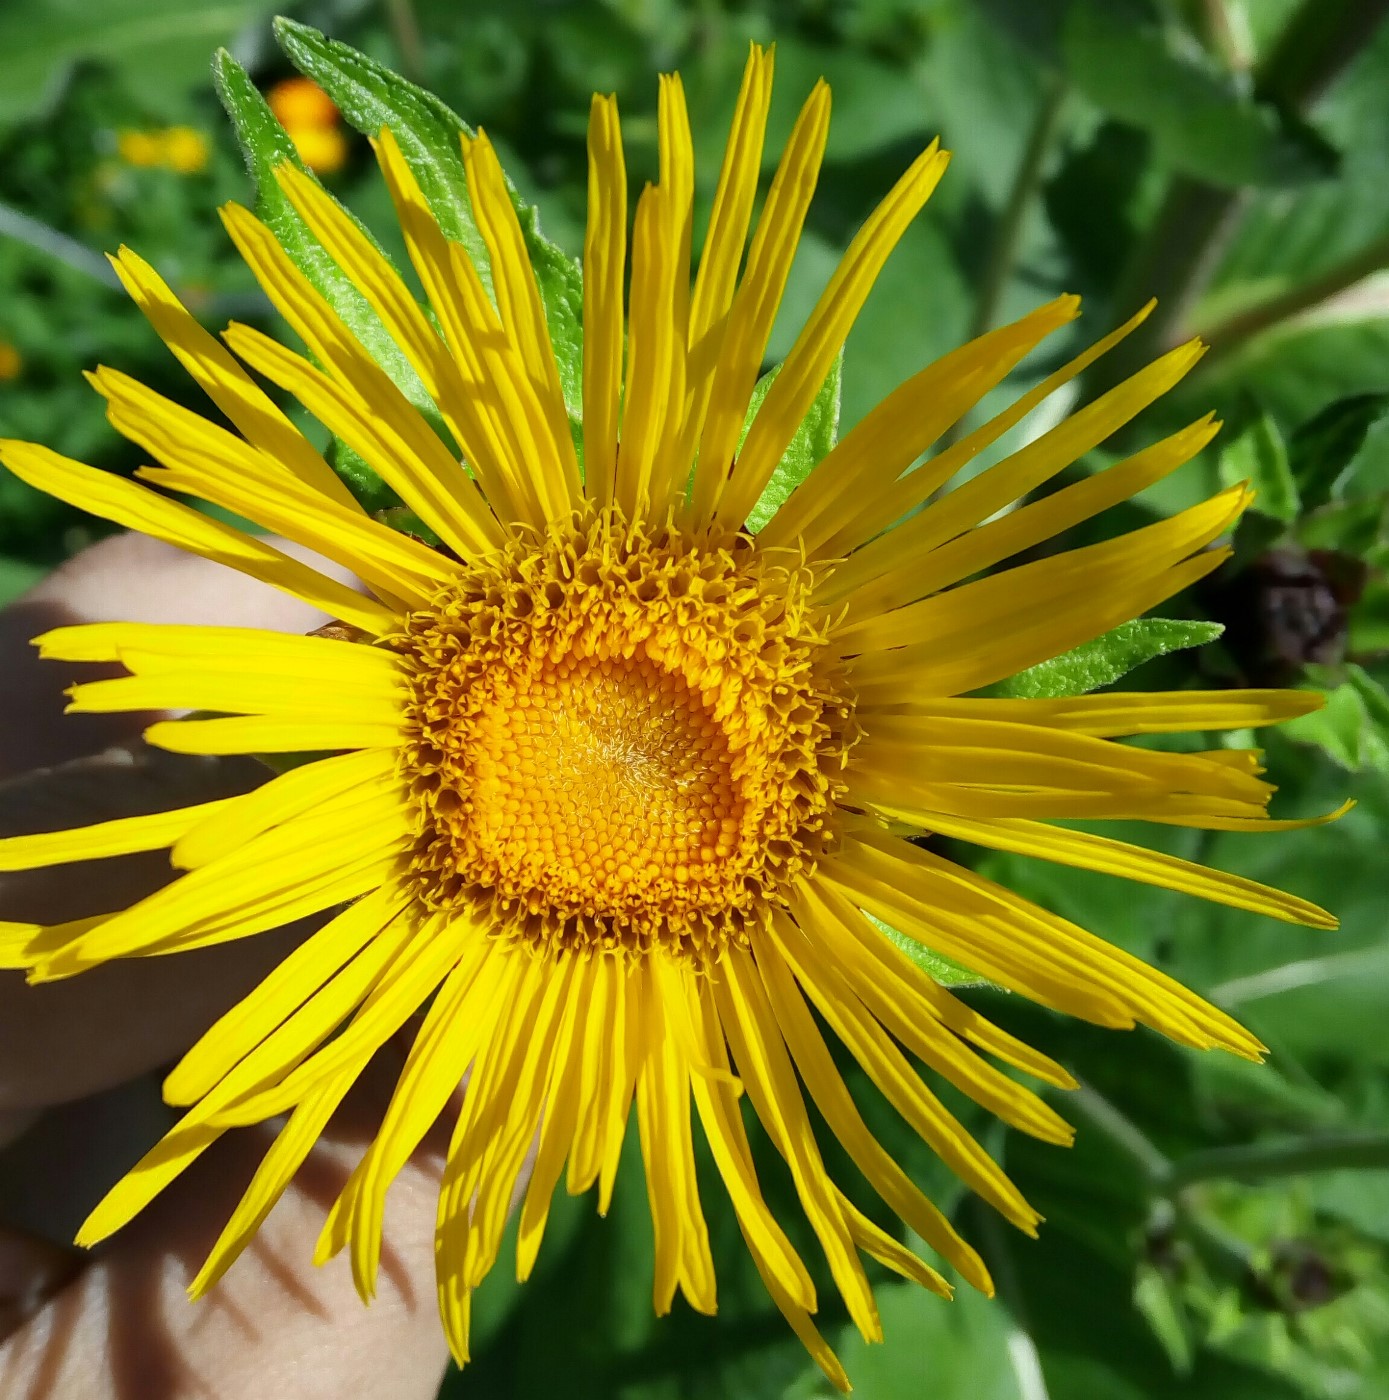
(182, 149)
(11, 361)
(311, 118)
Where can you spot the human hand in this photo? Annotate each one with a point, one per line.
(78, 1102)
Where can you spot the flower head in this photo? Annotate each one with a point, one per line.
(612, 783)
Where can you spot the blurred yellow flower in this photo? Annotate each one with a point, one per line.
(182, 149)
(11, 361)
(144, 149)
(185, 150)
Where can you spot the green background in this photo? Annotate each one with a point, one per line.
(1219, 1230)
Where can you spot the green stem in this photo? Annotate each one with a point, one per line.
(26, 229)
(1008, 234)
(1122, 1131)
(1261, 1160)
(405, 26)
(1232, 333)
(1180, 253)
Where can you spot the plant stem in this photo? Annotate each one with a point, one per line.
(1008, 233)
(37, 234)
(1180, 253)
(1260, 1160)
(405, 26)
(1122, 1131)
(1229, 335)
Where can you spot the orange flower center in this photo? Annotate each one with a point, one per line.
(620, 739)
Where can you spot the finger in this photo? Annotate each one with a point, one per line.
(63, 1041)
(274, 1325)
(126, 578)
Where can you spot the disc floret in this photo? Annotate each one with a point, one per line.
(624, 736)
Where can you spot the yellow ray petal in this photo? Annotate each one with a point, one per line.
(123, 836)
(270, 734)
(764, 1066)
(561, 1114)
(1115, 714)
(805, 368)
(292, 1145)
(228, 385)
(682, 1256)
(889, 1069)
(522, 310)
(204, 460)
(646, 467)
(836, 1103)
(302, 974)
(431, 949)
(415, 462)
(391, 299)
(723, 245)
(116, 499)
(500, 1171)
(980, 548)
(933, 901)
(1040, 460)
(833, 919)
(884, 444)
(288, 795)
(890, 1252)
(447, 275)
(744, 340)
(676, 143)
(454, 1027)
(1103, 853)
(983, 631)
(236, 897)
(777, 1261)
(605, 258)
(865, 519)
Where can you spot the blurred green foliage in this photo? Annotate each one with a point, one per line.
(1228, 155)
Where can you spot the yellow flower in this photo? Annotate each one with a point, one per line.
(144, 149)
(185, 150)
(614, 782)
(182, 149)
(11, 361)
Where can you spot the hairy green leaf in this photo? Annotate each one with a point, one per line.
(1104, 660)
(371, 96)
(265, 145)
(810, 445)
(935, 965)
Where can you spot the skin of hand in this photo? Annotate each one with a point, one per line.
(78, 1102)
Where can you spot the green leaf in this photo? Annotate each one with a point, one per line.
(1346, 728)
(265, 145)
(809, 446)
(167, 40)
(1259, 456)
(1104, 660)
(1201, 120)
(935, 965)
(370, 96)
(1324, 450)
